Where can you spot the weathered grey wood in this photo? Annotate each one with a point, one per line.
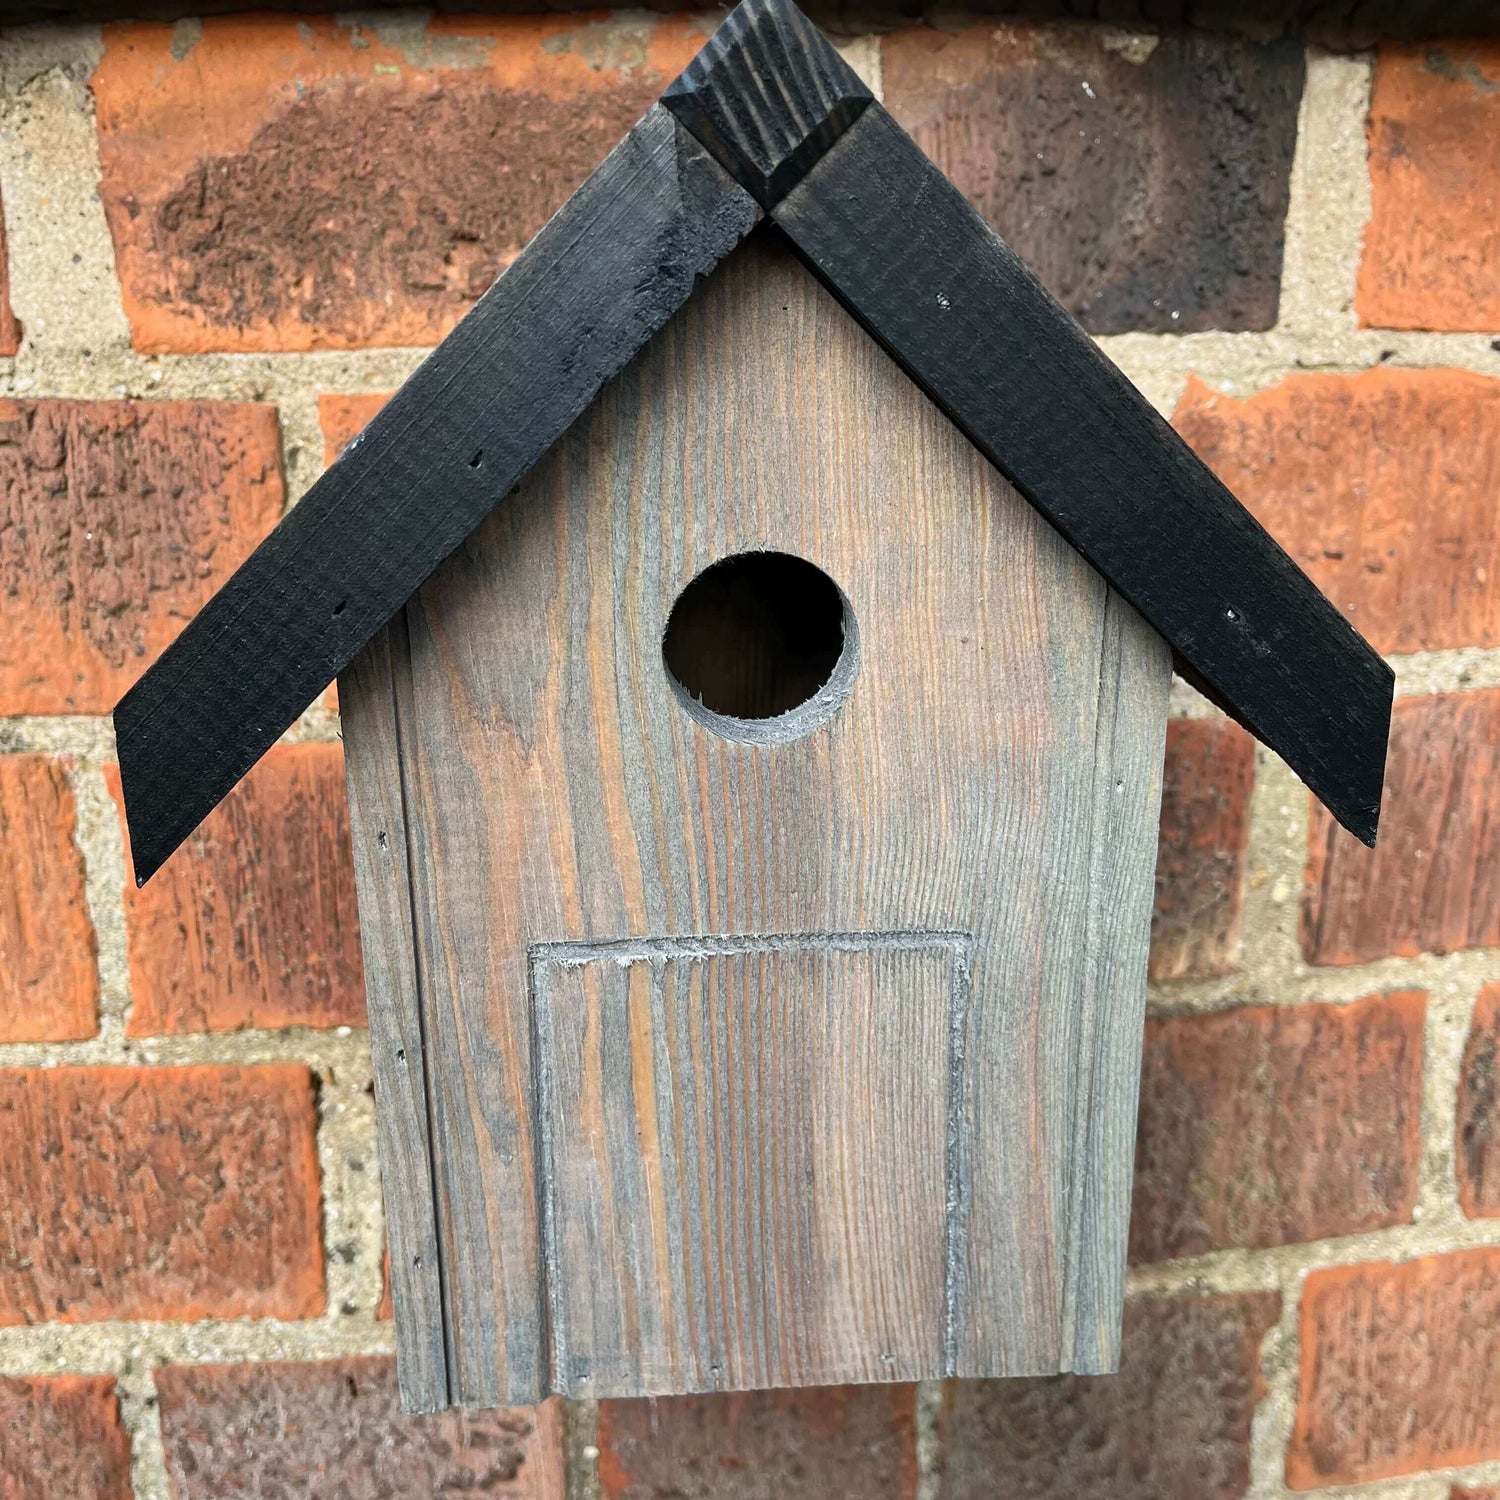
(1112, 1002)
(377, 813)
(744, 1158)
(559, 792)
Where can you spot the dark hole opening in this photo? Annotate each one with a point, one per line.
(478, 459)
(340, 607)
(755, 635)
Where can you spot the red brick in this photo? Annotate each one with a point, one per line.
(10, 329)
(262, 186)
(1174, 1424)
(1461, 1492)
(61, 1439)
(342, 418)
(830, 1443)
(253, 921)
(1146, 194)
(335, 1428)
(121, 519)
(1200, 853)
(1432, 247)
(159, 1193)
(1477, 1135)
(1432, 885)
(1382, 487)
(49, 984)
(1269, 1125)
(1400, 1369)
(386, 1309)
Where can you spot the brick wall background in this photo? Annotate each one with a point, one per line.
(226, 240)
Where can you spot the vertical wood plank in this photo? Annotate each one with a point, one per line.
(378, 822)
(560, 792)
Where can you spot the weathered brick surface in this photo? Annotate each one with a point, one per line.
(61, 1439)
(1432, 884)
(1477, 1132)
(342, 418)
(1268, 1125)
(262, 187)
(1207, 780)
(158, 1193)
(833, 1443)
(1400, 1369)
(1174, 1424)
(1432, 248)
(49, 984)
(1381, 485)
(335, 1428)
(10, 329)
(1146, 186)
(253, 921)
(120, 519)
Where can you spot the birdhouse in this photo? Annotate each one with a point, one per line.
(753, 627)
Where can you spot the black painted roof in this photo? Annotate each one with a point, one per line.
(768, 123)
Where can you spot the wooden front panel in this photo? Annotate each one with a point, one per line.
(995, 771)
(745, 1164)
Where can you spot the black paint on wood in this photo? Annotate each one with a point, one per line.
(768, 96)
(779, 118)
(899, 245)
(616, 261)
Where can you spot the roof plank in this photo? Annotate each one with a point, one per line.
(611, 266)
(955, 306)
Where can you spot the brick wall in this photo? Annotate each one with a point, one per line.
(226, 240)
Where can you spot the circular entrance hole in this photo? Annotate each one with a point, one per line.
(761, 647)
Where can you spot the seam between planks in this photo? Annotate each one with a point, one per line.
(401, 639)
(549, 1292)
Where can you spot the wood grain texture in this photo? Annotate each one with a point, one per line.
(902, 249)
(995, 772)
(607, 271)
(744, 1166)
(768, 95)
(377, 808)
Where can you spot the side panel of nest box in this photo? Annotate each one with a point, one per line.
(710, 1060)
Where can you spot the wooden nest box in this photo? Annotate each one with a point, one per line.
(753, 627)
